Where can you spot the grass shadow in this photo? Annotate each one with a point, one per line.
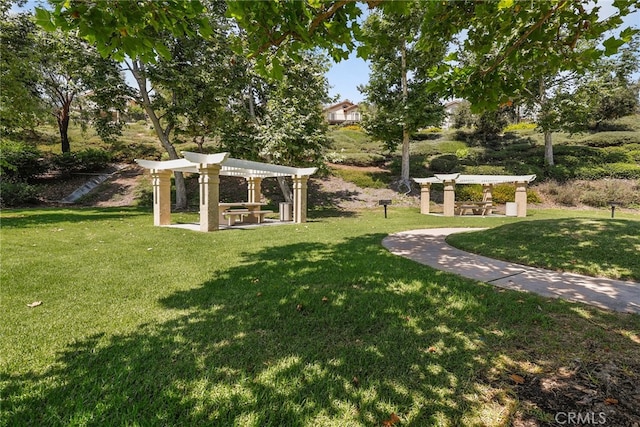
(299, 334)
(303, 334)
(22, 218)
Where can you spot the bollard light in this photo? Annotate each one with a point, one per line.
(613, 205)
(384, 203)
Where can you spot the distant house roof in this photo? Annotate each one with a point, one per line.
(345, 105)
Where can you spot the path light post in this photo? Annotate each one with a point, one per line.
(613, 205)
(384, 203)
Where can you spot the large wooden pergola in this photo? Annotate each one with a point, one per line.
(211, 167)
(487, 181)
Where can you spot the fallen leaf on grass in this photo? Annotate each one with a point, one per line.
(34, 304)
(517, 378)
(611, 401)
(393, 419)
(432, 349)
(325, 299)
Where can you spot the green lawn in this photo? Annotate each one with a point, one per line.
(301, 324)
(595, 247)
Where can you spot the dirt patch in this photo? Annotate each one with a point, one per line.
(119, 190)
(596, 393)
(337, 193)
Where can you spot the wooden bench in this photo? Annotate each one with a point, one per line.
(478, 208)
(259, 215)
(233, 215)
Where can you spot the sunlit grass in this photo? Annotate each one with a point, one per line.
(596, 247)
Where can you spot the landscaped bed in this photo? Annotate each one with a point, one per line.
(301, 324)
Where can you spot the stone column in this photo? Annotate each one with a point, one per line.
(521, 198)
(255, 193)
(209, 196)
(300, 198)
(449, 197)
(161, 182)
(425, 197)
(487, 196)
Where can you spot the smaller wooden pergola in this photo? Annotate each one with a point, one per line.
(487, 181)
(211, 167)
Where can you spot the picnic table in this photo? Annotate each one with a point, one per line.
(477, 208)
(251, 212)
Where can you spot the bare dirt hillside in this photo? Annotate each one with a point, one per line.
(331, 192)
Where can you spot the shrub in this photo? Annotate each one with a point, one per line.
(503, 193)
(444, 164)
(520, 126)
(364, 179)
(500, 193)
(558, 173)
(92, 160)
(624, 170)
(89, 160)
(17, 194)
(567, 196)
(357, 128)
(608, 139)
(635, 155)
(425, 136)
(616, 155)
(592, 193)
(470, 192)
(591, 172)
(485, 170)
(600, 193)
(66, 162)
(20, 161)
(450, 147)
(144, 194)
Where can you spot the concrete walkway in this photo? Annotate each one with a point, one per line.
(428, 247)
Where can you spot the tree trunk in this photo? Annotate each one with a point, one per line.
(63, 127)
(137, 69)
(548, 145)
(286, 190)
(548, 149)
(406, 154)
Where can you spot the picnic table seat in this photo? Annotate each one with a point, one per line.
(234, 215)
(477, 208)
(260, 215)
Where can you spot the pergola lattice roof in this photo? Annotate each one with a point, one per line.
(475, 179)
(229, 166)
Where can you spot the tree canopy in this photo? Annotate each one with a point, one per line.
(502, 34)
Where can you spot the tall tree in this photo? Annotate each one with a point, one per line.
(20, 104)
(596, 88)
(285, 116)
(73, 73)
(398, 81)
(185, 93)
